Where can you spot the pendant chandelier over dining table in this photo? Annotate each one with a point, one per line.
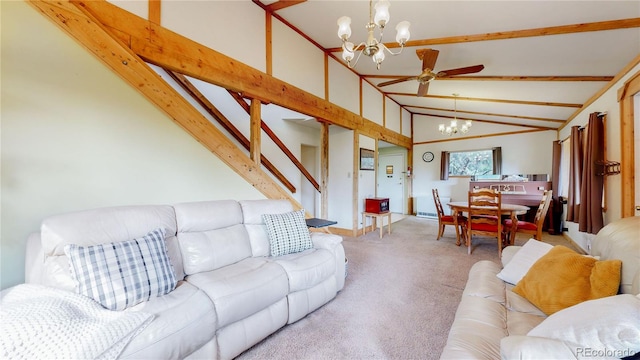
(372, 47)
(453, 125)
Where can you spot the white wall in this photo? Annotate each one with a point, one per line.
(366, 178)
(608, 103)
(344, 87)
(340, 186)
(529, 153)
(75, 136)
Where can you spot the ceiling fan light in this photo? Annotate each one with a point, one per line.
(347, 51)
(382, 13)
(403, 33)
(344, 28)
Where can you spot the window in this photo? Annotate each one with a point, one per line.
(478, 163)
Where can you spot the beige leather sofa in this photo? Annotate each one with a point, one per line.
(230, 295)
(493, 322)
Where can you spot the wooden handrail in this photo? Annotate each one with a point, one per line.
(277, 141)
(226, 124)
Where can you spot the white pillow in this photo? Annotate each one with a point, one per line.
(523, 260)
(122, 274)
(607, 327)
(288, 232)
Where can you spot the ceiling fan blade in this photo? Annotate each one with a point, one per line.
(399, 80)
(428, 57)
(423, 88)
(461, 71)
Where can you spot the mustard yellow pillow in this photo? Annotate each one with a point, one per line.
(563, 278)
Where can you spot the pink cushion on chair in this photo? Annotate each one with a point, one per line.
(485, 227)
(449, 218)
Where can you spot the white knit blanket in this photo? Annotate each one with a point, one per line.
(39, 322)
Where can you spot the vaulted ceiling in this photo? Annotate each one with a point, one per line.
(543, 60)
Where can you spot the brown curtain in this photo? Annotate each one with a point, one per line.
(556, 204)
(590, 211)
(575, 173)
(444, 165)
(497, 161)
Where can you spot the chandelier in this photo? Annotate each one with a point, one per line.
(453, 125)
(373, 47)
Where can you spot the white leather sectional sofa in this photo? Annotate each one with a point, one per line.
(493, 322)
(230, 294)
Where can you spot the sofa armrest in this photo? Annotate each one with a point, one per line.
(325, 241)
(508, 253)
(533, 347)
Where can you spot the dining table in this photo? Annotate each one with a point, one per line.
(511, 210)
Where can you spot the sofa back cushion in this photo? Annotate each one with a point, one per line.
(101, 226)
(621, 240)
(252, 211)
(211, 235)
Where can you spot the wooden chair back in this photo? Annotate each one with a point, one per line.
(436, 200)
(485, 209)
(543, 208)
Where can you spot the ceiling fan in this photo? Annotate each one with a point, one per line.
(429, 57)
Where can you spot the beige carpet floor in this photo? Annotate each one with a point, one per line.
(399, 300)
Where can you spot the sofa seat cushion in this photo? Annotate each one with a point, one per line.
(308, 268)
(242, 289)
(484, 283)
(479, 325)
(184, 321)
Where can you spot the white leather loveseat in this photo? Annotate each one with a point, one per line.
(230, 292)
(494, 322)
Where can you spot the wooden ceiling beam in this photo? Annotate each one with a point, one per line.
(521, 102)
(503, 35)
(489, 121)
(456, 138)
(488, 114)
(282, 4)
(175, 52)
(504, 78)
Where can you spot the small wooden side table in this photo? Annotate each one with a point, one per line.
(375, 217)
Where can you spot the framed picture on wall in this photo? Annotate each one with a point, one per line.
(367, 159)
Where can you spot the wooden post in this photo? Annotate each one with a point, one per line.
(256, 116)
(324, 170)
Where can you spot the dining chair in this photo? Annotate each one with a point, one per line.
(444, 220)
(532, 228)
(485, 208)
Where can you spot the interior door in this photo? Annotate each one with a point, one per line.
(391, 180)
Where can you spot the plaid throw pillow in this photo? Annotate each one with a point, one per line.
(123, 274)
(288, 232)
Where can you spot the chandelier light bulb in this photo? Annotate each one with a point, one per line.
(344, 28)
(468, 123)
(382, 13)
(378, 57)
(403, 33)
(347, 51)
(441, 128)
